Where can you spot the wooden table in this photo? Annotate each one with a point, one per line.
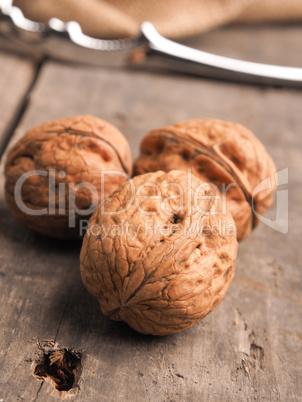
(250, 347)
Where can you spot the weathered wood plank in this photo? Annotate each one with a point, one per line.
(247, 349)
(16, 76)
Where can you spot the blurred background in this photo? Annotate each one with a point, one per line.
(172, 18)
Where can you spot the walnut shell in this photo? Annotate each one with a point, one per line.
(76, 150)
(165, 277)
(218, 152)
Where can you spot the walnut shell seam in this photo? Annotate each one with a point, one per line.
(203, 150)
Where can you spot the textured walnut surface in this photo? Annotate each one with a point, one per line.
(159, 283)
(80, 147)
(223, 153)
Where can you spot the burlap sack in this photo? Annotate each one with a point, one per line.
(172, 18)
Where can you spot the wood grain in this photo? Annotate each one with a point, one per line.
(249, 348)
(16, 76)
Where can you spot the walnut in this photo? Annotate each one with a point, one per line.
(157, 256)
(68, 153)
(222, 153)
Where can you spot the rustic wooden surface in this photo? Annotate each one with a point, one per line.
(250, 347)
(16, 76)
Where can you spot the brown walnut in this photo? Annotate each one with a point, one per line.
(222, 153)
(72, 151)
(155, 262)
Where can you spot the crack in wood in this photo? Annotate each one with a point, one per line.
(60, 323)
(38, 392)
(253, 354)
(20, 111)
